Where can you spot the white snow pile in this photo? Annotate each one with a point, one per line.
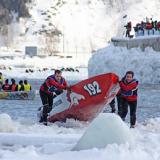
(146, 65)
(6, 123)
(105, 129)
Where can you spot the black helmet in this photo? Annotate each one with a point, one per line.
(25, 81)
(13, 80)
(20, 82)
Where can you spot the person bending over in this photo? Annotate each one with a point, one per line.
(53, 86)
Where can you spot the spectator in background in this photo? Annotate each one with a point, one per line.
(13, 86)
(128, 29)
(27, 86)
(6, 86)
(149, 27)
(20, 86)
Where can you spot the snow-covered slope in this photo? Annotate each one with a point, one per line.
(85, 25)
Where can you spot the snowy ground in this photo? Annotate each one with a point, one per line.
(55, 142)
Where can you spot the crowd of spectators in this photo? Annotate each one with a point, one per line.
(144, 28)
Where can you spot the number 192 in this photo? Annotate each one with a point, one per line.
(93, 88)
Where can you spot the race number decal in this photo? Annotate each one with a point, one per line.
(93, 88)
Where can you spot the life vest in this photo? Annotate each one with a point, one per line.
(54, 88)
(20, 87)
(49, 86)
(129, 90)
(13, 87)
(6, 87)
(27, 87)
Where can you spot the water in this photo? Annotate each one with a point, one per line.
(26, 110)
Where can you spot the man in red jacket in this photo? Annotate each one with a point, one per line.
(53, 86)
(129, 87)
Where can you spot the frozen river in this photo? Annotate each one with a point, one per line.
(148, 104)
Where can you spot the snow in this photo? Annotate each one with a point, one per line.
(56, 142)
(16, 67)
(104, 130)
(85, 25)
(89, 25)
(6, 123)
(146, 65)
(29, 140)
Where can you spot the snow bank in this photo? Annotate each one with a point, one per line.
(105, 129)
(6, 123)
(146, 65)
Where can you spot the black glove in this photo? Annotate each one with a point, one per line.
(68, 88)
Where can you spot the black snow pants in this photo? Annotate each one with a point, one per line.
(112, 105)
(47, 101)
(133, 107)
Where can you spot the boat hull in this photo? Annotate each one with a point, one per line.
(18, 95)
(87, 99)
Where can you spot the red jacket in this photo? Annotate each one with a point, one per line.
(129, 90)
(51, 82)
(149, 26)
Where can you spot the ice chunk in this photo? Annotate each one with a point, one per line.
(105, 129)
(6, 123)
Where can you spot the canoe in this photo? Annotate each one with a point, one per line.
(18, 95)
(86, 99)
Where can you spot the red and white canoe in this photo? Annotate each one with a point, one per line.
(87, 99)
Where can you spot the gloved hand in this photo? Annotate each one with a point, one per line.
(68, 88)
(54, 94)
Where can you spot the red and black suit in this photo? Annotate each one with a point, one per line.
(129, 97)
(50, 86)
